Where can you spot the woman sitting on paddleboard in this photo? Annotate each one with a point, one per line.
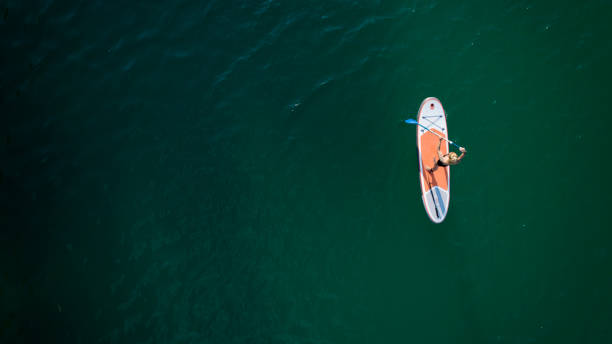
(446, 159)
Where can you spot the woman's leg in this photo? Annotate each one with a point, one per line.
(435, 166)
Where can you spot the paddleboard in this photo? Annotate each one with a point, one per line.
(435, 187)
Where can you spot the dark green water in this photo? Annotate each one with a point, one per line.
(238, 172)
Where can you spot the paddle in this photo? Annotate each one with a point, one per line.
(411, 121)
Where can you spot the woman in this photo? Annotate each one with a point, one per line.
(446, 159)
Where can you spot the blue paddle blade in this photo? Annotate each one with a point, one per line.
(411, 121)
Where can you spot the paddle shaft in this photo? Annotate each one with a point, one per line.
(442, 137)
(412, 121)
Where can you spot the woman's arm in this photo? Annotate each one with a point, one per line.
(440, 156)
(462, 153)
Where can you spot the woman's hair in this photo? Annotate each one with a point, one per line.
(452, 156)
